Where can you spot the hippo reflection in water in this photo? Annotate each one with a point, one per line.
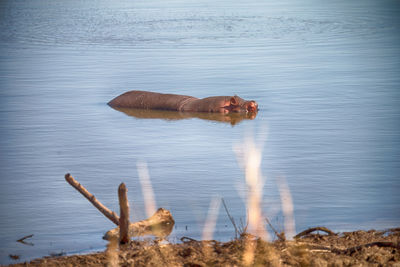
(149, 105)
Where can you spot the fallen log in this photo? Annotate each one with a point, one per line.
(159, 225)
(103, 209)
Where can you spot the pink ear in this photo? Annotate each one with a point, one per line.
(234, 101)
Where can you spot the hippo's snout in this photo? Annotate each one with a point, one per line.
(252, 106)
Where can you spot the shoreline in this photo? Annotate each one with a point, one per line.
(313, 248)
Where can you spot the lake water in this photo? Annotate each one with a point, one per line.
(325, 75)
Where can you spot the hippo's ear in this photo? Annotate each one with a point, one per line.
(234, 101)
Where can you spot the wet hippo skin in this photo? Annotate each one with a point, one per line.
(151, 100)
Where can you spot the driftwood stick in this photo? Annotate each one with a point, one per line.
(313, 229)
(124, 214)
(103, 209)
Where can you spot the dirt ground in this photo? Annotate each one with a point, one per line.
(317, 248)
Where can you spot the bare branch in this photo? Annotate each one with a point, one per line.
(103, 209)
(313, 229)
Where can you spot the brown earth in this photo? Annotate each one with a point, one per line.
(359, 248)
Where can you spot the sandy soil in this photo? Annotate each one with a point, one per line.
(318, 248)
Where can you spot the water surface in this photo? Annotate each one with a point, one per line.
(325, 76)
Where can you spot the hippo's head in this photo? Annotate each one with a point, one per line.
(238, 104)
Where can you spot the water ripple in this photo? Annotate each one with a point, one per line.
(143, 27)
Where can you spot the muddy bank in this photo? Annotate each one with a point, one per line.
(359, 248)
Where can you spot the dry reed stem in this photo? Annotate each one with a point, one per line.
(250, 156)
(112, 253)
(211, 221)
(147, 189)
(249, 251)
(209, 226)
(287, 208)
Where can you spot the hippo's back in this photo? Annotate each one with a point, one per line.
(149, 100)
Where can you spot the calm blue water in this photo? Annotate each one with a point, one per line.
(325, 75)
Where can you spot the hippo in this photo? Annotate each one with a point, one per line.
(158, 101)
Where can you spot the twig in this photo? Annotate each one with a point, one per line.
(231, 219)
(281, 236)
(188, 239)
(22, 240)
(243, 228)
(310, 230)
(103, 209)
(25, 237)
(14, 257)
